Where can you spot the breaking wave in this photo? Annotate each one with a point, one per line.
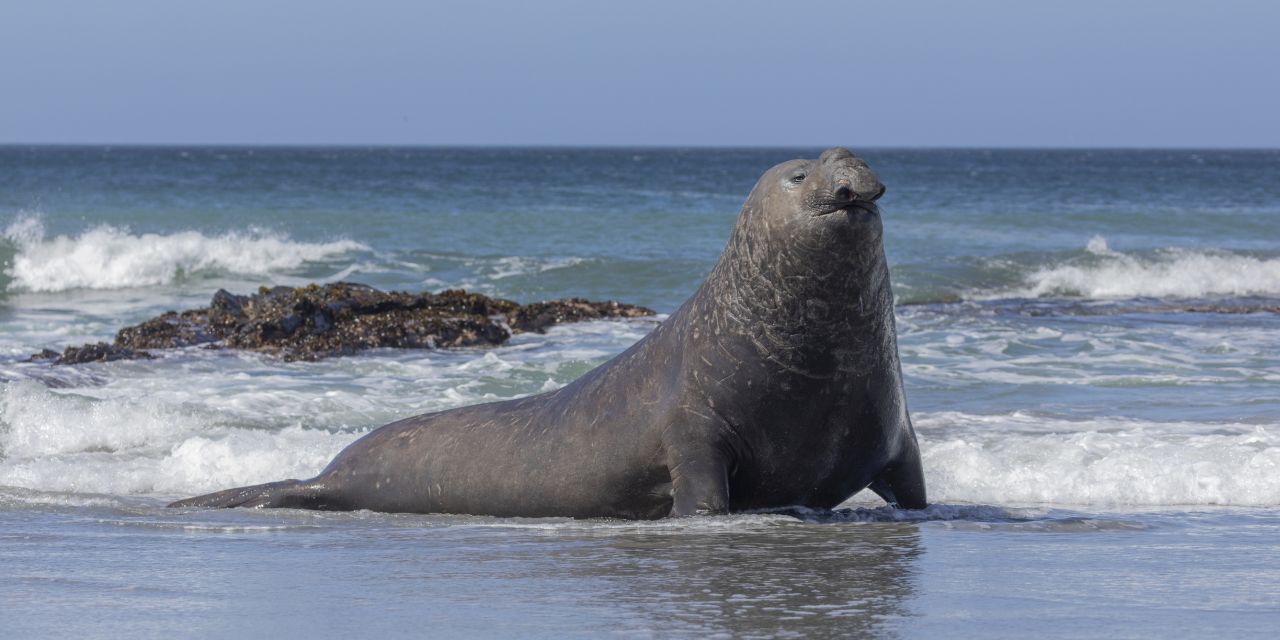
(70, 443)
(1023, 458)
(1096, 273)
(107, 257)
(1102, 273)
(66, 442)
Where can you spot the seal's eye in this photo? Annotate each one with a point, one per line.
(797, 178)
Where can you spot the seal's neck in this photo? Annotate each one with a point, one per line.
(809, 315)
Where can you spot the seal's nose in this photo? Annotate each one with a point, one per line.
(851, 178)
(843, 191)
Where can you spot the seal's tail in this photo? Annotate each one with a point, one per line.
(285, 493)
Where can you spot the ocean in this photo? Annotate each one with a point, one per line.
(1090, 341)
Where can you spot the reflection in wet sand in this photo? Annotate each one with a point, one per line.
(794, 579)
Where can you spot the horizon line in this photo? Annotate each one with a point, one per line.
(560, 146)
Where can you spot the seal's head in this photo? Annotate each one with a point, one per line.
(821, 213)
(838, 182)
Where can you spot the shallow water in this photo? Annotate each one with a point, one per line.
(131, 567)
(1089, 340)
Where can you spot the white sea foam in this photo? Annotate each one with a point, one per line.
(58, 441)
(106, 257)
(67, 442)
(207, 421)
(1022, 458)
(519, 266)
(482, 273)
(1180, 273)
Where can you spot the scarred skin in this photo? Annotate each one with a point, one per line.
(777, 384)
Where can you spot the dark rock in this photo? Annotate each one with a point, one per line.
(318, 321)
(170, 330)
(100, 352)
(226, 309)
(537, 316)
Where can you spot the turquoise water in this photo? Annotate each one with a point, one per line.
(1089, 340)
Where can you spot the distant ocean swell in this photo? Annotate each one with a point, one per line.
(106, 257)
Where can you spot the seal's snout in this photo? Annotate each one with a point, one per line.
(843, 191)
(850, 179)
(846, 191)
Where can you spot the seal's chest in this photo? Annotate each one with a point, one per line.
(819, 466)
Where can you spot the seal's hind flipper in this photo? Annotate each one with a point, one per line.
(901, 484)
(285, 493)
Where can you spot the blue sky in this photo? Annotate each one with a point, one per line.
(563, 72)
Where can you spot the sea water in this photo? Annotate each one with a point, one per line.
(1090, 342)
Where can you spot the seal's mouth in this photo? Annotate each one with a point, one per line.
(857, 206)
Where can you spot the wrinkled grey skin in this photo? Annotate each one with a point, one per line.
(776, 384)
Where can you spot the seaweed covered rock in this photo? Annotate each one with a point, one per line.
(537, 316)
(98, 352)
(318, 321)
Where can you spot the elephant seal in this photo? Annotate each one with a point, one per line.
(777, 384)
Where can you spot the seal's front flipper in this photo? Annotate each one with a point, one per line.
(699, 485)
(901, 484)
(285, 493)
